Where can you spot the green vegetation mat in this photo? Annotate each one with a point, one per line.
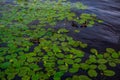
(39, 52)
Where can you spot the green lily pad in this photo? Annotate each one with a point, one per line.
(63, 67)
(92, 59)
(83, 45)
(60, 62)
(102, 67)
(102, 61)
(100, 56)
(5, 65)
(112, 64)
(60, 55)
(69, 61)
(63, 30)
(77, 60)
(81, 77)
(109, 73)
(73, 70)
(93, 66)
(92, 73)
(94, 51)
(58, 75)
(106, 55)
(110, 50)
(115, 55)
(84, 66)
(26, 77)
(10, 76)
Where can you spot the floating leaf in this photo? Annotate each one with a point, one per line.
(115, 55)
(69, 61)
(73, 70)
(77, 60)
(60, 55)
(63, 68)
(81, 77)
(93, 66)
(63, 30)
(94, 51)
(58, 75)
(106, 55)
(77, 31)
(5, 65)
(109, 73)
(100, 56)
(84, 66)
(92, 73)
(60, 62)
(112, 64)
(102, 61)
(110, 50)
(26, 77)
(102, 67)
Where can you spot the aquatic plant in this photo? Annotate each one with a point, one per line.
(39, 53)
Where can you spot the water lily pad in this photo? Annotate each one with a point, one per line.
(63, 67)
(77, 60)
(58, 75)
(5, 65)
(92, 73)
(60, 62)
(69, 61)
(83, 45)
(112, 64)
(84, 66)
(110, 50)
(102, 67)
(93, 66)
(92, 59)
(109, 73)
(73, 70)
(100, 56)
(81, 77)
(115, 55)
(26, 77)
(106, 55)
(94, 51)
(102, 61)
(60, 55)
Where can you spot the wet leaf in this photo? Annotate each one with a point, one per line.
(92, 73)
(109, 73)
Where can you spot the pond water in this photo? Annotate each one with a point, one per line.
(104, 35)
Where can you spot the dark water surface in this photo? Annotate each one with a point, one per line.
(106, 34)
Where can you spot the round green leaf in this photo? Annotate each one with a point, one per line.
(92, 73)
(109, 73)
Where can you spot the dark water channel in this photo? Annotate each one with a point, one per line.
(104, 35)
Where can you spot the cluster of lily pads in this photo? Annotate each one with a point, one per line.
(47, 12)
(54, 55)
(36, 52)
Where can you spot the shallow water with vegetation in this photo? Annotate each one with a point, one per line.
(59, 40)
